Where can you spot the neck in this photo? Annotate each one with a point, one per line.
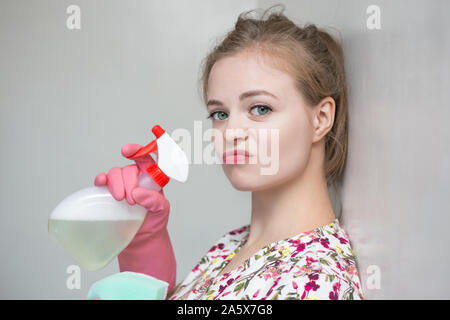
(300, 204)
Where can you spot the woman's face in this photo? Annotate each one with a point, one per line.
(247, 98)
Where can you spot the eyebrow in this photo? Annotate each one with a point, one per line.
(243, 96)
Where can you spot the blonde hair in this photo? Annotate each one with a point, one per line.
(311, 55)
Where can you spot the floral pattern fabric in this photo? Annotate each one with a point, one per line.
(317, 264)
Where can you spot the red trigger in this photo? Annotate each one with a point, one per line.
(151, 147)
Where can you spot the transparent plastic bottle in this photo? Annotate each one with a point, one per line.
(94, 228)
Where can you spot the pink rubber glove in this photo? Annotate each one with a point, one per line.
(150, 251)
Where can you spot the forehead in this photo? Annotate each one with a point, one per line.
(247, 70)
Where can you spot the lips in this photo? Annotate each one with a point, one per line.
(236, 154)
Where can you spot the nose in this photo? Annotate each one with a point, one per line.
(235, 131)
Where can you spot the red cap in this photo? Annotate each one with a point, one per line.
(158, 131)
(157, 175)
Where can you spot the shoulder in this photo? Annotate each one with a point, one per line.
(230, 239)
(321, 274)
(325, 265)
(237, 233)
(228, 242)
(222, 247)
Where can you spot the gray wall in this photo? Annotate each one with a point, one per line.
(70, 99)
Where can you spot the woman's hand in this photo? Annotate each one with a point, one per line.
(150, 251)
(123, 184)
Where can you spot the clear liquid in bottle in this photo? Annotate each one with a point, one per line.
(93, 227)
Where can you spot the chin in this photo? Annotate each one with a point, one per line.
(242, 186)
(241, 180)
(249, 180)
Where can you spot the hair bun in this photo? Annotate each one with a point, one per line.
(311, 31)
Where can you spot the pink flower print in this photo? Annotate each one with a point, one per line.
(299, 249)
(310, 285)
(230, 281)
(270, 273)
(324, 242)
(334, 295)
(351, 269)
(221, 288)
(228, 292)
(273, 286)
(336, 286)
(238, 231)
(256, 293)
(341, 239)
(196, 268)
(266, 275)
(274, 272)
(294, 285)
(313, 276)
(220, 246)
(339, 266)
(309, 261)
(214, 247)
(226, 275)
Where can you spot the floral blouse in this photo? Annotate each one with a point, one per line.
(317, 264)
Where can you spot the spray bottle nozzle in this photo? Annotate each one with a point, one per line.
(172, 161)
(152, 146)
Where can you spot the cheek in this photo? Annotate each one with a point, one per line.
(291, 150)
(294, 147)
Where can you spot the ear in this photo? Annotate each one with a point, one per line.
(323, 118)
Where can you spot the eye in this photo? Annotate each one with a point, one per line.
(261, 109)
(220, 115)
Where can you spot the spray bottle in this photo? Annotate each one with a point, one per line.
(93, 227)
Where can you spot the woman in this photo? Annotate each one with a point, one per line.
(266, 74)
